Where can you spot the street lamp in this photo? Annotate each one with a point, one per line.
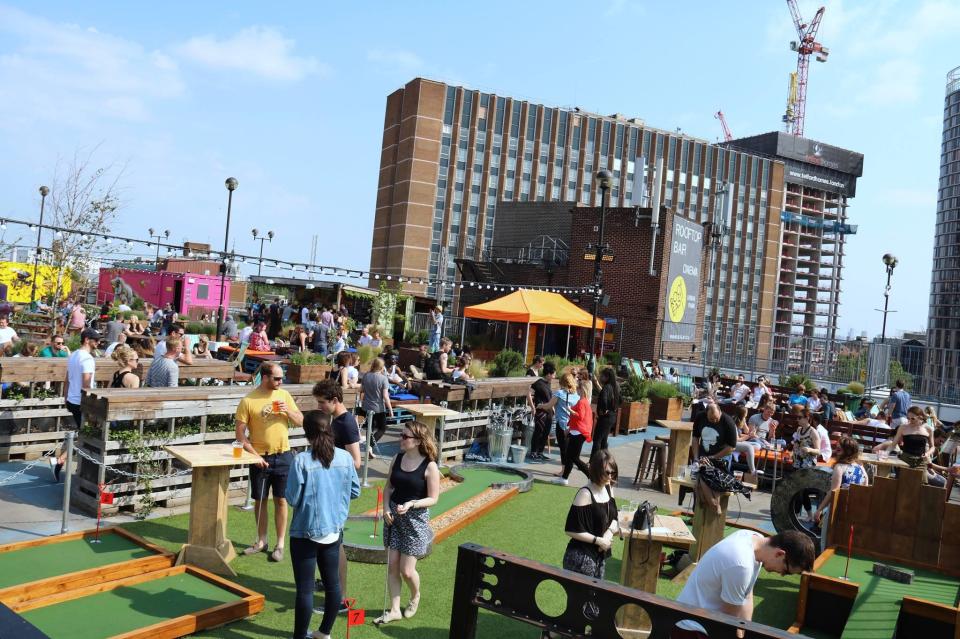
(153, 234)
(263, 238)
(890, 261)
(716, 229)
(44, 191)
(231, 184)
(605, 180)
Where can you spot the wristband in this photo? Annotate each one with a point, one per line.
(594, 540)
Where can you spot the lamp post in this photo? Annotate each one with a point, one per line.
(231, 183)
(263, 238)
(890, 261)
(717, 227)
(154, 234)
(604, 179)
(44, 191)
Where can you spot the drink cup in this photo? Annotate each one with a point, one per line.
(882, 455)
(237, 450)
(276, 406)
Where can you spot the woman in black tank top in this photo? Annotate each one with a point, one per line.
(128, 360)
(916, 445)
(412, 487)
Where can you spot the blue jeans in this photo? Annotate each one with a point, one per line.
(307, 556)
(434, 341)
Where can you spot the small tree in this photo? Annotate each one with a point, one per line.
(84, 201)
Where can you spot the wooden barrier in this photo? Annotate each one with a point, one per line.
(111, 410)
(501, 390)
(32, 425)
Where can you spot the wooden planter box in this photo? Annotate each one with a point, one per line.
(306, 373)
(666, 408)
(634, 416)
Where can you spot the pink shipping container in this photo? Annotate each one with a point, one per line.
(189, 293)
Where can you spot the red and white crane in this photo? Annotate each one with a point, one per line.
(806, 46)
(723, 122)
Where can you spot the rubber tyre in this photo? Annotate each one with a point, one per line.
(790, 488)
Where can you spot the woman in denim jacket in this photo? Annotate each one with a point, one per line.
(320, 485)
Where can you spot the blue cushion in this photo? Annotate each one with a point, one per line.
(404, 396)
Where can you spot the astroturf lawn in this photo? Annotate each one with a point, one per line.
(877, 605)
(529, 525)
(121, 610)
(475, 481)
(51, 560)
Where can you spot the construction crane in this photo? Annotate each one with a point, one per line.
(790, 114)
(806, 46)
(723, 122)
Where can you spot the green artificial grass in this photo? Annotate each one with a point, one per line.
(877, 606)
(121, 610)
(52, 560)
(475, 481)
(529, 525)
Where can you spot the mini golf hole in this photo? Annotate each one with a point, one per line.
(551, 598)
(633, 622)
(489, 562)
(486, 595)
(488, 578)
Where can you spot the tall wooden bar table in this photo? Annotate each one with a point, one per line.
(681, 435)
(207, 544)
(433, 416)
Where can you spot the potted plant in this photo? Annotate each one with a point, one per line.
(634, 406)
(665, 401)
(853, 394)
(305, 368)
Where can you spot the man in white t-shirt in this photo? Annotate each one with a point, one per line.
(738, 392)
(724, 578)
(7, 335)
(81, 366)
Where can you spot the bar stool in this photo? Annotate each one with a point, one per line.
(653, 460)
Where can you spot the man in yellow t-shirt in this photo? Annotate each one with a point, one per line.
(263, 420)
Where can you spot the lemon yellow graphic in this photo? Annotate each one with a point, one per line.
(677, 301)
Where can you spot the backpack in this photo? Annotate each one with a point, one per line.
(581, 419)
(432, 368)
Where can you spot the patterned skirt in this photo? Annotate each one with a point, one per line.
(410, 533)
(590, 563)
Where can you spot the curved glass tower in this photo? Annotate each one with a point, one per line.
(942, 376)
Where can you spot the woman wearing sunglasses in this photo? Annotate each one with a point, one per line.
(592, 519)
(413, 485)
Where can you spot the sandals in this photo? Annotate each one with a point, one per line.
(411, 608)
(386, 618)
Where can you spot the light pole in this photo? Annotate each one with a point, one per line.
(717, 227)
(153, 234)
(44, 191)
(231, 184)
(263, 238)
(890, 261)
(604, 178)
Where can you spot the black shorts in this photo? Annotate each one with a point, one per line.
(273, 478)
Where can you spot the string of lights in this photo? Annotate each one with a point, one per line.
(301, 267)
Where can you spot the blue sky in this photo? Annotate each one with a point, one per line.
(289, 98)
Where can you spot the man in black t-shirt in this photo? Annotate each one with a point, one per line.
(346, 435)
(714, 435)
(540, 392)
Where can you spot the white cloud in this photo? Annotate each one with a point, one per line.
(398, 59)
(261, 51)
(67, 73)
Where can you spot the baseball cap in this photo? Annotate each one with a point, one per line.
(89, 333)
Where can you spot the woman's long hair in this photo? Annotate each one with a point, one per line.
(428, 445)
(316, 426)
(609, 379)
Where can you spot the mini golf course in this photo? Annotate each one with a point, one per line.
(874, 602)
(471, 491)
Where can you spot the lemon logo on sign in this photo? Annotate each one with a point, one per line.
(677, 301)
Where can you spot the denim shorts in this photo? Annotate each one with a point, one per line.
(273, 478)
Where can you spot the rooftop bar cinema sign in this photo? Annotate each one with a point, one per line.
(683, 281)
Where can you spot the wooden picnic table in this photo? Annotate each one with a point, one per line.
(883, 465)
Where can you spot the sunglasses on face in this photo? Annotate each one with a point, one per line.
(58, 343)
(278, 379)
(405, 437)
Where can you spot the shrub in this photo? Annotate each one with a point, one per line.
(307, 359)
(635, 389)
(368, 353)
(417, 337)
(193, 328)
(792, 381)
(662, 390)
(477, 369)
(506, 362)
(853, 388)
(612, 359)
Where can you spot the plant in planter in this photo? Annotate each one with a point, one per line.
(506, 362)
(665, 401)
(634, 405)
(307, 367)
(794, 380)
(853, 393)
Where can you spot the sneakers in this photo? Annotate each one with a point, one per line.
(277, 554)
(57, 467)
(560, 481)
(53, 468)
(344, 607)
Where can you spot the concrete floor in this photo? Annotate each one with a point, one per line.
(32, 503)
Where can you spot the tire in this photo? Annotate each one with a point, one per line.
(790, 491)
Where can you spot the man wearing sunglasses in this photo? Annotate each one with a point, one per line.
(263, 420)
(56, 348)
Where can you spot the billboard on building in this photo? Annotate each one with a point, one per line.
(683, 281)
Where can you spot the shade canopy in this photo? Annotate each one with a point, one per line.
(533, 307)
